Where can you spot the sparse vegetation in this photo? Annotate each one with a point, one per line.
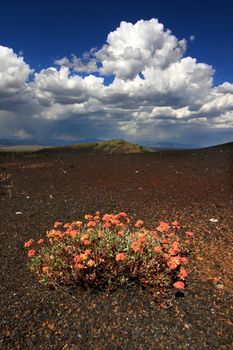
(109, 147)
(109, 251)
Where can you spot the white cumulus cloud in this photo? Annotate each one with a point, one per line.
(158, 92)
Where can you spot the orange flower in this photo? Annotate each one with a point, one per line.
(86, 242)
(173, 262)
(106, 225)
(45, 269)
(83, 256)
(88, 217)
(141, 238)
(166, 256)
(187, 241)
(77, 258)
(79, 266)
(85, 236)
(122, 214)
(100, 235)
(174, 248)
(157, 249)
(87, 252)
(184, 260)
(190, 234)
(107, 217)
(172, 251)
(175, 224)
(120, 257)
(136, 247)
(115, 222)
(172, 234)
(91, 224)
(139, 223)
(78, 223)
(163, 227)
(97, 212)
(90, 263)
(73, 234)
(31, 252)
(57, 223)
(178, 285)
(28, 243)
(183, 273)
(120, 233)
(40, 241)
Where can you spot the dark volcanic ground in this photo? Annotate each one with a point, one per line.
(189, 186)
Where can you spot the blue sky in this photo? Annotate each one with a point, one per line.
(47, 31)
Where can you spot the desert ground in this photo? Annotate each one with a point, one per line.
(194, 187)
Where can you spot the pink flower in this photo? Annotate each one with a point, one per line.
(183, 273)
(122, 214)
(40, 241)
(86, 242)
(184, 260)
(120, 257)
(139, 223)
(188, 233)
(178, 285)
(77, 258)
(28, 243)
(157, 249)
(31, 252)
(87, 252)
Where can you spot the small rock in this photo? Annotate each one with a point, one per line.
(219, 286)
(18, 213)
(213, 220)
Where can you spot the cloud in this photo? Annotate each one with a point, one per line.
(158, 93)
(132, 48)
(14, 73)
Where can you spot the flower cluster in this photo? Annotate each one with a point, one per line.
(110, 250)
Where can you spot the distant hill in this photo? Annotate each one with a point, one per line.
(110, 147)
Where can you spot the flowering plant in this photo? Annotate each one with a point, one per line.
(109, 250)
